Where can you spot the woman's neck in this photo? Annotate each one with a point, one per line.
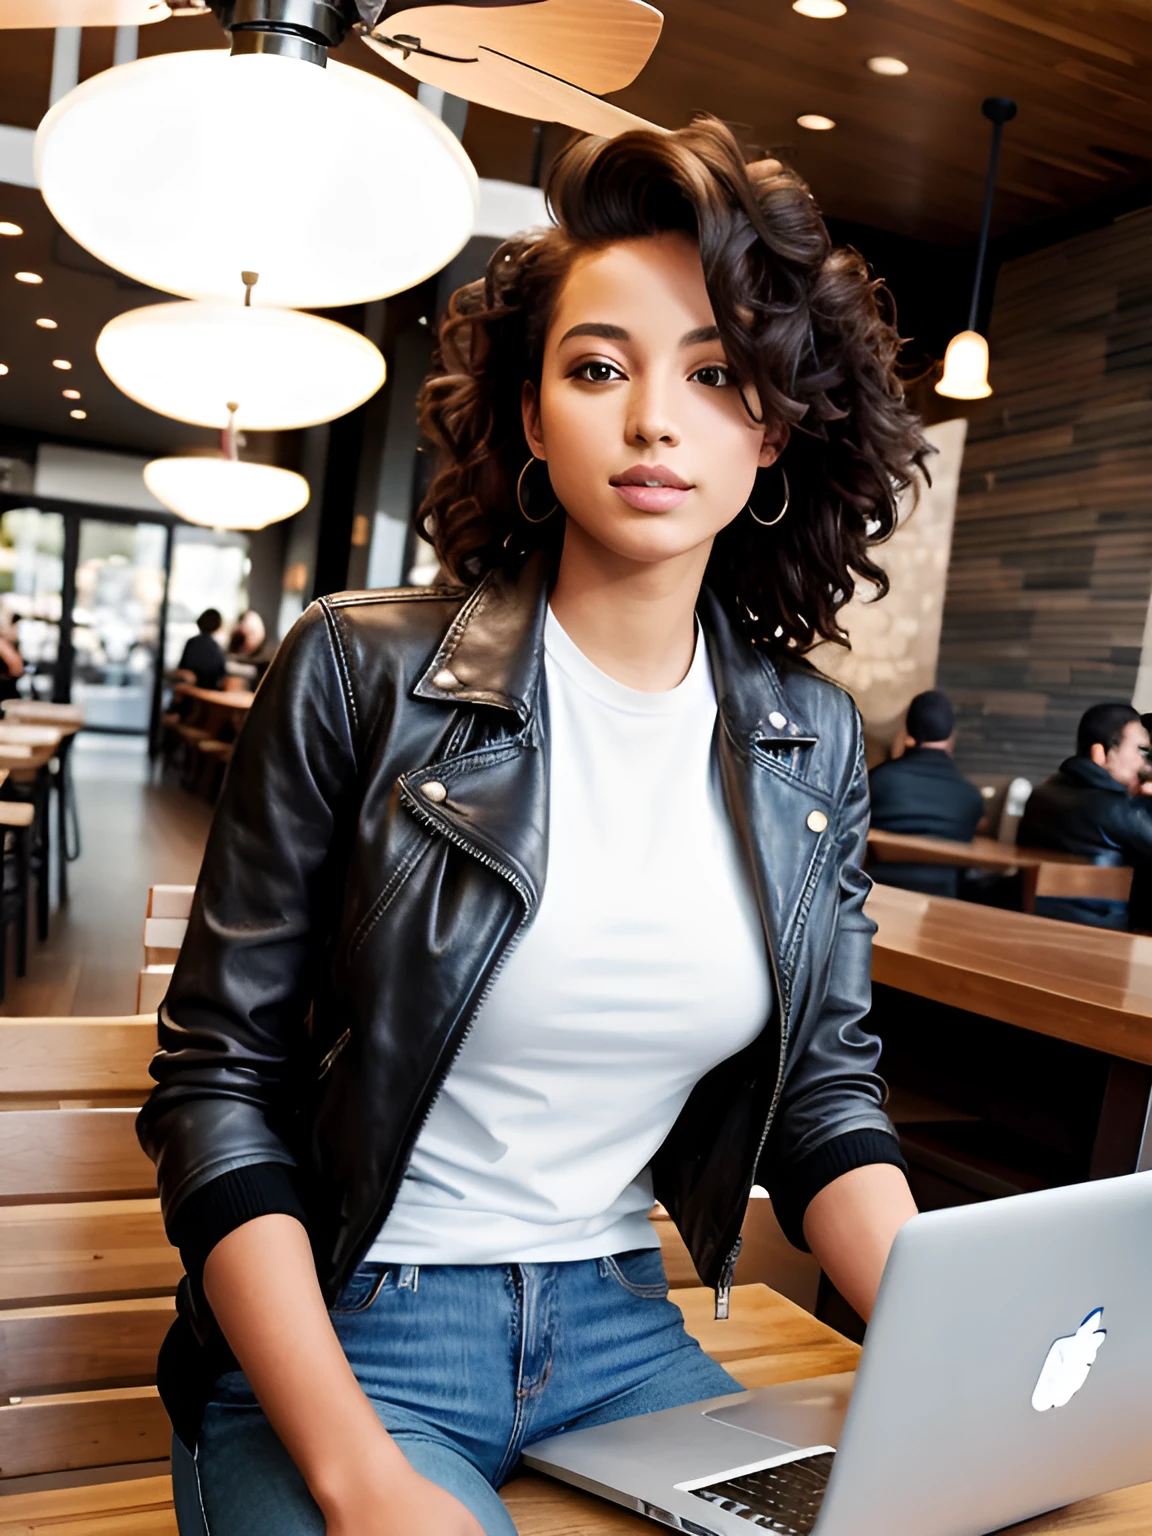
(635, 621)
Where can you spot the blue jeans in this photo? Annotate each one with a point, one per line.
(465, 1366)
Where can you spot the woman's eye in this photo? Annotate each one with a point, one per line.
(715, 376)
(597, 372)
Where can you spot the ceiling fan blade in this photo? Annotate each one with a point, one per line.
(599, 45)
(81, 13)
(491, 80)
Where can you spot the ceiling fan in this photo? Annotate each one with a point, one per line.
(548, 60)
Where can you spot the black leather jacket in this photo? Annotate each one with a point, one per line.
(1083, 810)
(351, 917)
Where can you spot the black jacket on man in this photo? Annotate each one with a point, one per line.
(925, 794)
(1083, 810)
(381, 841)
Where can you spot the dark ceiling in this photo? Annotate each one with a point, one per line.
(907, 155)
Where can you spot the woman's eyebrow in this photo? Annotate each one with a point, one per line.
(608, 332)
(599, 328)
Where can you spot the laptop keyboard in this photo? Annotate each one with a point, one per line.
(785, 1499)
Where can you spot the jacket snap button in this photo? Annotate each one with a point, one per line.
(777, 720)
(434, 791)
(445, 679)
(817, 821)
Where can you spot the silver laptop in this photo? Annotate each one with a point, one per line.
(1007, 1371)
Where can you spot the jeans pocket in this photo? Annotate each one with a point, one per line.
(367, 1281)
(640, 1272)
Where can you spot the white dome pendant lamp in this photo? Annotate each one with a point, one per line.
(965, 375)
(225, 491)
(279, 368)
(185, 169)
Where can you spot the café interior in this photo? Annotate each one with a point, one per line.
(196, 447)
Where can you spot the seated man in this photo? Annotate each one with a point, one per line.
(923, 792)
(1095, 806)
(202, 660)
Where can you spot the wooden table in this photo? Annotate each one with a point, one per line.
(802, 1347)
(1046, 872)
(1088, 987)
(225, 698)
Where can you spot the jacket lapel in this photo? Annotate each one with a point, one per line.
(495, 772)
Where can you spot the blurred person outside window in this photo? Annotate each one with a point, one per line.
(1096, 806)
(923, 793)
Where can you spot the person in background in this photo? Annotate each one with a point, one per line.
(922, 792)
(11, 661)
(202, 660)
(1096, 806)
(244, 644)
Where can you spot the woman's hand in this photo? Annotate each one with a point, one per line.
(404, 1504)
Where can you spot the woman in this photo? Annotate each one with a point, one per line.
(536, 895)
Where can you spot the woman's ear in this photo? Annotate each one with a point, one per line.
(776, 437)
(530, 415)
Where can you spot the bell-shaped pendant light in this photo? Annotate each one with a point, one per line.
(225, 491)
(965, 375)
(279, 368)
(184, 169)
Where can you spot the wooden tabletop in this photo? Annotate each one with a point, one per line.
(980, 853)
(230, 698)
(1088, 985)
(802, 1347)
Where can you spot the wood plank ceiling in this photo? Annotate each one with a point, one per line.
(907, 154)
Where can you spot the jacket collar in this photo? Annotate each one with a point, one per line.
(1084, 771)
(493, 651)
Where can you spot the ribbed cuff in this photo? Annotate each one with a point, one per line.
(259, 1189)
(793, 1192)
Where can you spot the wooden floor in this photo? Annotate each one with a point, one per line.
(133, 834)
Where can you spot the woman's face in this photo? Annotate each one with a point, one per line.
(649, 446)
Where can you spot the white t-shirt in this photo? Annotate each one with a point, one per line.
(645, 966)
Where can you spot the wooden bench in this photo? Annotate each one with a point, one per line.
(86, 1275)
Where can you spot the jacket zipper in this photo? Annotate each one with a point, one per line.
(513, 879)
(724, 1285)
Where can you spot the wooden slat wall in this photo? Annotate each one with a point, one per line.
(1051, 567)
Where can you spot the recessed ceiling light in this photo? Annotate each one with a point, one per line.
(9, 229)
(3, 369)
(29, 277)
(61, 362)
(815, 121)
(45, 324)
(882, 64)
(78, 415)
(821, 10)
(71, 394)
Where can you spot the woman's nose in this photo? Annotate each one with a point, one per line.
(649, 420)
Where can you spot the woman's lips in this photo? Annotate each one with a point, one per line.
(652, 498)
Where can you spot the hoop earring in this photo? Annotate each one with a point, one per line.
(771, 523)
(520, 498)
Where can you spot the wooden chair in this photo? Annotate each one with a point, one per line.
(1102, 882)
(164, 929)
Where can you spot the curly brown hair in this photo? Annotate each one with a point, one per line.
(802, 323)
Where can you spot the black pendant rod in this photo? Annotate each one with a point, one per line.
(998, 110)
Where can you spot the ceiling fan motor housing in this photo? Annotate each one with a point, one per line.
(297, 29)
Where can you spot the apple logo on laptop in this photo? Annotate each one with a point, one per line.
(1069, 1360)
